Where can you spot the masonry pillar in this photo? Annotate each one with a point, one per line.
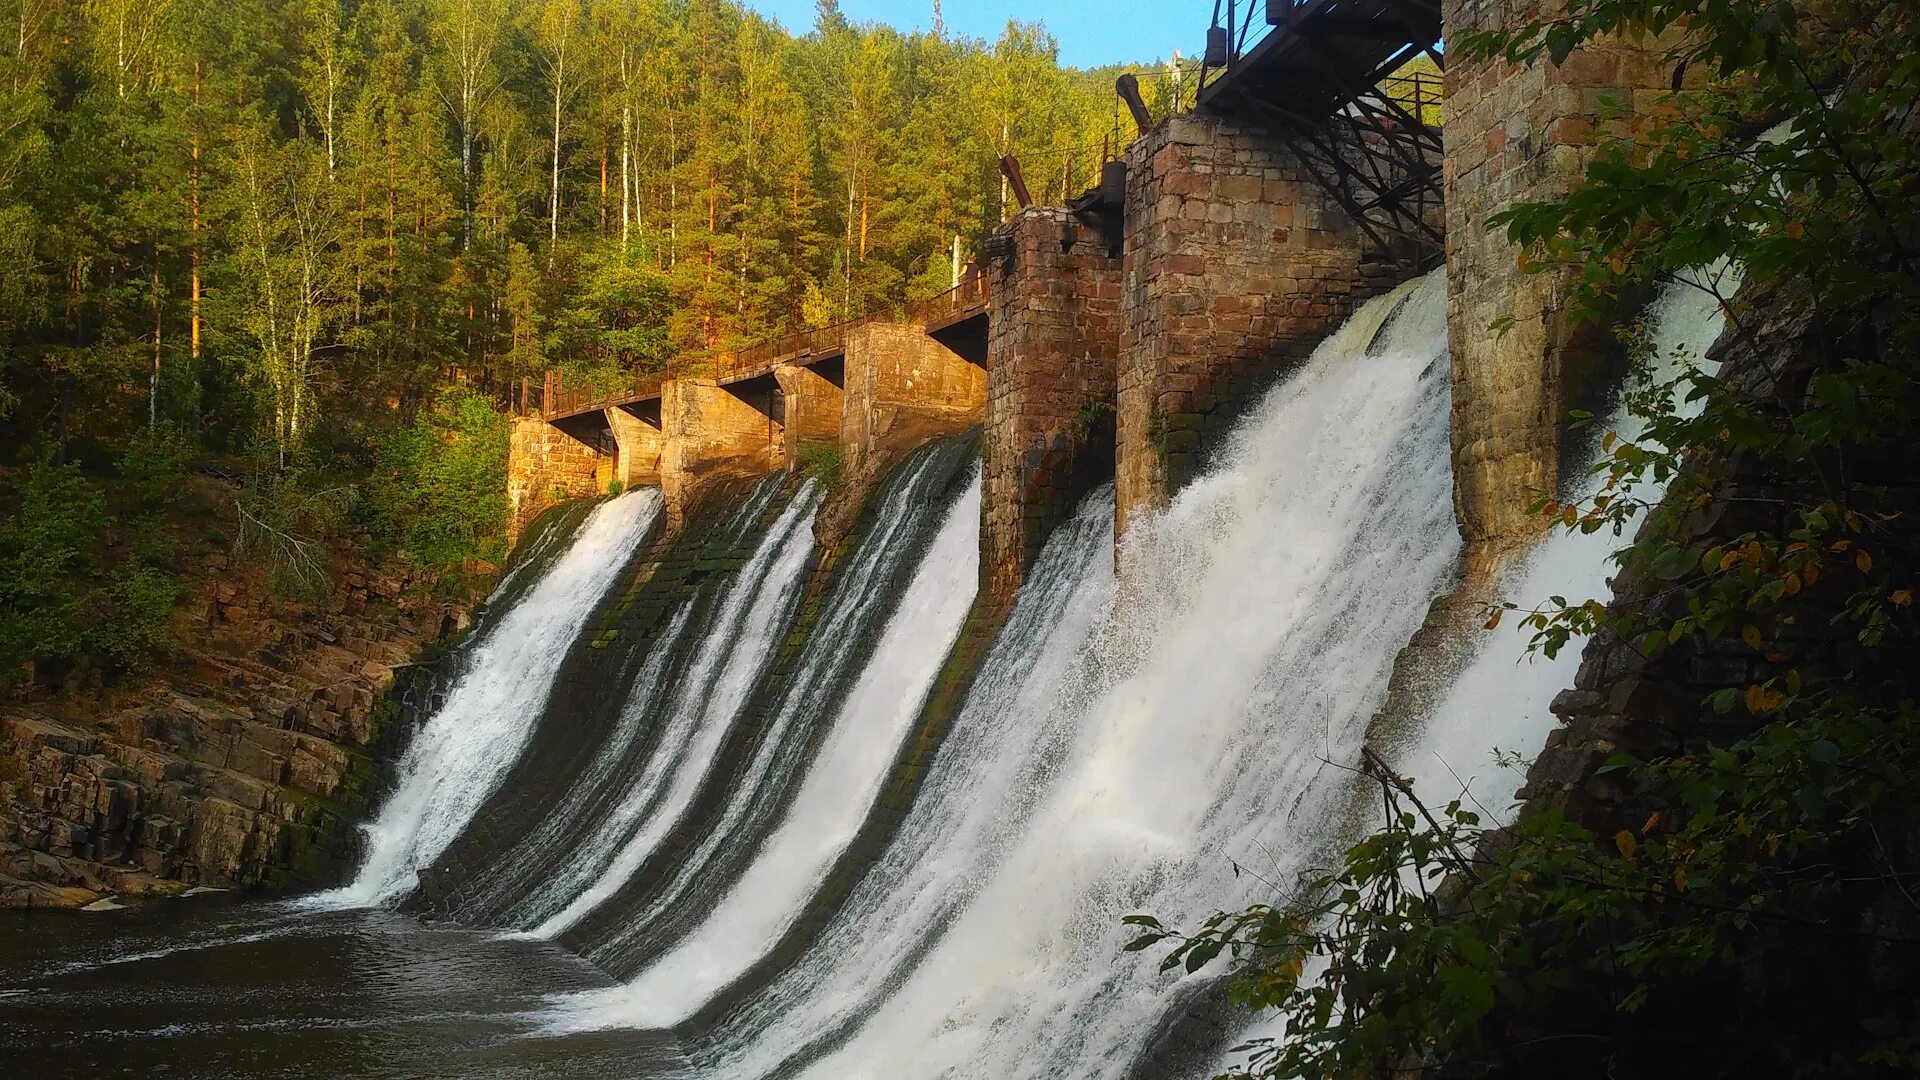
(814, 404)
(1236, 266)
(902, 389)
(638, 445)
(708, 433)
(545, 466)
(1517, 133)
(1052, 342)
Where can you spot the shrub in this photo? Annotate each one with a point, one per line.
(824, 462)
(64, 602)
(439, 488)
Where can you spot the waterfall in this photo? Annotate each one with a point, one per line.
(1501, 696)
(997, 759)
(835, 796)
(742, 639)
(457, 758)
(709, 821)
(1175, 738)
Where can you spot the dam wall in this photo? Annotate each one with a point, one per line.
(1120, 336)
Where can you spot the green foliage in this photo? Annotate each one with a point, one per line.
(1712, 939)
(1760, 920)
(67, 598)
(823, 461)
(284, 521)
(438, 490)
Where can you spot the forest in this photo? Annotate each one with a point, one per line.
(327, 239)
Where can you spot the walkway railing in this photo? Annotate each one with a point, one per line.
(551, 400)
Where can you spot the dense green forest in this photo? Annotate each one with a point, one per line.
(308, 235)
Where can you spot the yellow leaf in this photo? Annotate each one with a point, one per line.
(1795, 229)
(1571, 516)
(1810, 573)
(1762, 700)
(1902, 597)
(1652, 822)
(1625, 842)
(1494, 620)
(1680, 879)
(1618, 266)
(1863, 560)
(1792, 583)
(1606, 442)
(1751, 635)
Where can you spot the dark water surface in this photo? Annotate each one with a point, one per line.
(216, 985)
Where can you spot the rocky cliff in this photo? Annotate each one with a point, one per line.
(241, 763)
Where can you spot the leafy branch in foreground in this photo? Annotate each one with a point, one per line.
(1745, 900)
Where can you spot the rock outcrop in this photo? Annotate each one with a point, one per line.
(241, 765)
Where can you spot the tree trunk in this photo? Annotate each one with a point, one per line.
(553, 209)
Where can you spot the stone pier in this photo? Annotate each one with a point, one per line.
(1053, 339)
(902, 389)
(1517, 133)
(711, 431)
(1236, 265)
(814, 402)
(639, 443)
(545, 466)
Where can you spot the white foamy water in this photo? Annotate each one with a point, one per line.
(460, 755)
(855, 602)
(996, 763)
(833, 801)
(1500, 698)
(1251, 639)
(743, 639)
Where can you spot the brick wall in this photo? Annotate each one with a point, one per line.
(1052, 345)
(1236, 265)
(545, 466)
(1516, 133)
(902, 389)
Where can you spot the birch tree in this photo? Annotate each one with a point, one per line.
(287, 240)
(467, 33)
(557, 27)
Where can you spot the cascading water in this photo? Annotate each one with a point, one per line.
(1251, 640)
(454, 762)
(752, 621)
(1500, 698)
(1126, 746)
(656, 888)
(996, 761)
(836, 795)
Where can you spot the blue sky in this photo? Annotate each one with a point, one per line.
(1090, 32)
